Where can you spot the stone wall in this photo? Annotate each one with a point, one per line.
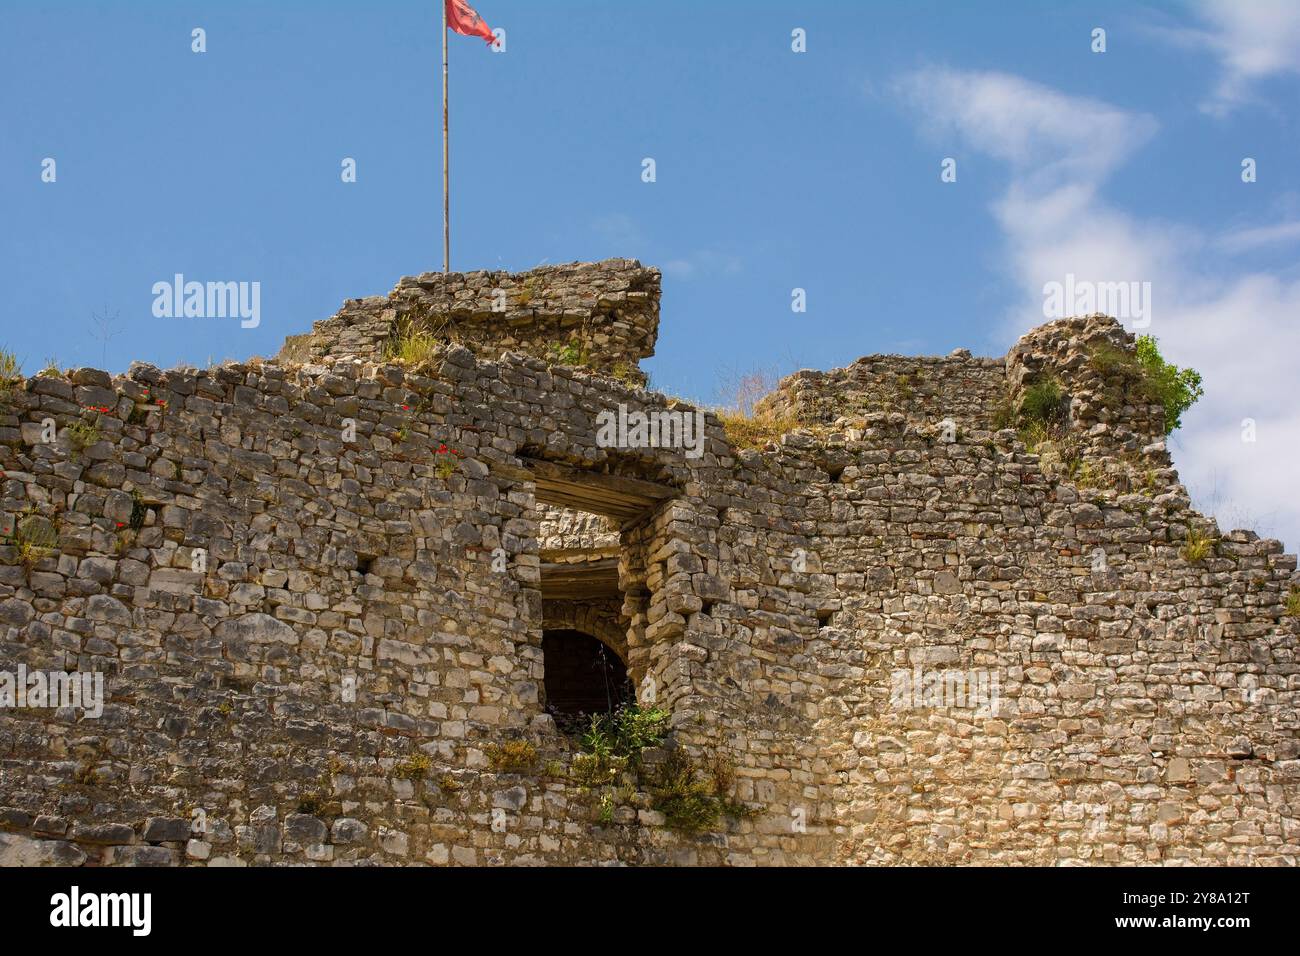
(568, 535)
(1147, 701)
(604, 315)
(958, 386)
(330, 686)
(287, 575)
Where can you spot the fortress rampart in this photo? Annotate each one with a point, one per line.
(319, 591)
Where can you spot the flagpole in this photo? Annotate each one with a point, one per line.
(446, 155)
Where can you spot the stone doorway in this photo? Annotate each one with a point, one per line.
(594, 531)
(583, 677)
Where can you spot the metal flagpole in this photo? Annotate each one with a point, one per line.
(446, 171)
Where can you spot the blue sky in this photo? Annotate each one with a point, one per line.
(775, 170)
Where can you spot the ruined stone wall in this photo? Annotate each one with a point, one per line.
(1147, 702)
(332, 684)
(958, 386)
(603, 315)
(306, 644)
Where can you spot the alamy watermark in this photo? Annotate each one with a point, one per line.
(75, 908)
(976, 690)
(37, 689)
(654, 429)
(1126, 301)
(208, 300)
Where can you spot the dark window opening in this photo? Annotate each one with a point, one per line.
(582, 677)
(364, 561)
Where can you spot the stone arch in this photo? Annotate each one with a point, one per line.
(600, 620)
(583, 677)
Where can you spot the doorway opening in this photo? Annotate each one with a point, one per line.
(592, 540)
(583, 678)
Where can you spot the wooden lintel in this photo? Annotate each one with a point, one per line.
(625, 499)
(581, 580)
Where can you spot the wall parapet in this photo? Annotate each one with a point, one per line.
(604, 315)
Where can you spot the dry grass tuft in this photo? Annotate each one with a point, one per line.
(746, 424)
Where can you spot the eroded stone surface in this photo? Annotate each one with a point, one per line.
(311, 651)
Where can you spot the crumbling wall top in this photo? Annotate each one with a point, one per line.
(604, 315)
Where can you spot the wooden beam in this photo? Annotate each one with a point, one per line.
(611, 495)
(582, 580)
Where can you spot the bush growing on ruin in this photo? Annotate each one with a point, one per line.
(624, 733)
(573, 352)
(531, 288)
(694, 798)
(611, 746)
(10, 372)
(411, 347)
(687, 802)
(1177, 389)
(1043, 403)
(413, 767)
(1144, 377)
(746, 424)
(124, 541)
(81, 435)
(417, 334)
(10, 368)
(741, 392)
(754, 433)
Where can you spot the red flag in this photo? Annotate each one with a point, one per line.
(462, 18)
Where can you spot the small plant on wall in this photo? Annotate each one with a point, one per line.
(511, 756)
(1197, 547)
(11, 374)
(1293, 603)
(124, 540)
(612, 745)
(695, 797)
(34, 538)
(413, 767)
(447, 462)
(573, 352)
(81, 435)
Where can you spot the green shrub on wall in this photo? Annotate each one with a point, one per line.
(1177, 389)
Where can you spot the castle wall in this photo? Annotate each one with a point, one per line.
(333, 679)
(606, 314)
(332, 684)
(960, 387)
(1146, 704)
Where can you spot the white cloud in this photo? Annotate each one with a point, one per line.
(1239, 329)
(1252, 40)
(1246, 239)
(1048, 136)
